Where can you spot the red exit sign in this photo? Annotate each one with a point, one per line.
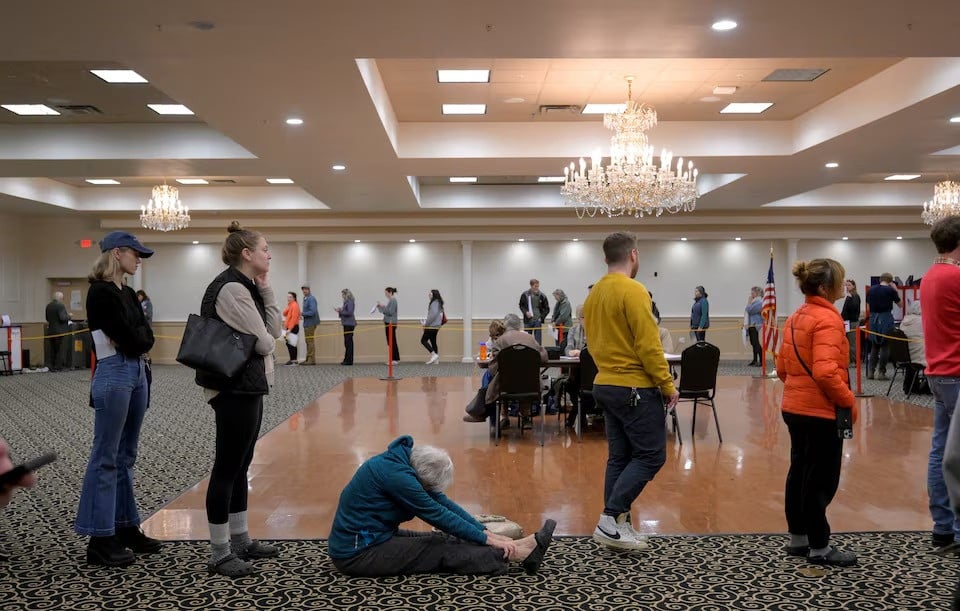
(86, 243)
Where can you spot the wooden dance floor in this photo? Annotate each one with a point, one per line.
(705, 487)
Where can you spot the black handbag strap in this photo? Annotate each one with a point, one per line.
(793, 335)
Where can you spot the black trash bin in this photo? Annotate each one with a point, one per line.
(81, 346)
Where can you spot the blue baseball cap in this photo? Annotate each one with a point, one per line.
(122, 239)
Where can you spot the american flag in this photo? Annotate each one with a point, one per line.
(771, 335)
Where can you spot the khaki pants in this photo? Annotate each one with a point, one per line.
(311, 349)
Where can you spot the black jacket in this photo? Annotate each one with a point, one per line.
(118, 314)
(851, 309)
(57, 317)
(252, 379)
(540, 302)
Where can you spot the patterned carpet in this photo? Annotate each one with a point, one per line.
(41, 411)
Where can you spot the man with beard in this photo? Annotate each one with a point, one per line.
(633, 387)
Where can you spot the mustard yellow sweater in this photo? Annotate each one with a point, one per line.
(622, 335)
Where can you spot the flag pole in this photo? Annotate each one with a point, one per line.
(768, 335)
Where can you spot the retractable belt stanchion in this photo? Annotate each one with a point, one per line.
(859, 392)
(390, 331)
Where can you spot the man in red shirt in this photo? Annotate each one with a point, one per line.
(941, 334)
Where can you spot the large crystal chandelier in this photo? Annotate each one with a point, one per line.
(946, 202)
(164, 212)
(632, 183)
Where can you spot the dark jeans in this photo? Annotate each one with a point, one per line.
(852, 339)
(238, 424)
(389, 328)
(636, 442)
(754, 335)
(698, 336)
(348, 344)
(412, 553)
(532, 326)
(815, 453)
(429, 340)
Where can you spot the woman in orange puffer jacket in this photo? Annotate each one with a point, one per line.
(810, 409)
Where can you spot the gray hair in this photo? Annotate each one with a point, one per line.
(58, 296)
(433, 466)
(560, 295)
(512, 322)
(914, 308)
(347, 295)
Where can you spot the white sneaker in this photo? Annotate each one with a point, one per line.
(617, 536)
(434, 359)
(396, 362)
(623, 521)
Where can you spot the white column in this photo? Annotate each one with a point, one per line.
(137, 279)
(302, 262)
(795, 297)
(467, 279)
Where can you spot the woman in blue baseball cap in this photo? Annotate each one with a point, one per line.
(119, 396)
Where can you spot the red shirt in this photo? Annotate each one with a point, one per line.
(941, 319)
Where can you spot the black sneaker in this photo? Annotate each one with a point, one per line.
(108, 551)
(139, 543)
(941, 539)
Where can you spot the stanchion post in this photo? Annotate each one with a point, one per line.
(390, 331)
(859, 392)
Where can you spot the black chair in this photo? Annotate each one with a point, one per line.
(6, 368)
(588, 371)
(900, 357)
(698, 382)
(518, 372)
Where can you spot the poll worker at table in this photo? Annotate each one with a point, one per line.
(513, 336)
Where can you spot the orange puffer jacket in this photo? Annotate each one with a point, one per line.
(817, 330)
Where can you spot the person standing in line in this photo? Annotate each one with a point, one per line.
(562, 318)
(851, 315)
(880, 300)
(107, 512)
(58, 323)
(431, 326)
(291, 324)
(633, 387)
(147, 306)
(812, 364)
(348, 319)
(241, 297)
(311, 318)
(390, 318)
(699, 315)
(534, 306)
(941, 329)
(755, 322)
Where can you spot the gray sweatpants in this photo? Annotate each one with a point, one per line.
(412, 552)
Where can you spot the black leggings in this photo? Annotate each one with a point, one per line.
(387, 329)
(238, 424)
(292, 350)
(754, 334)
(429, 340)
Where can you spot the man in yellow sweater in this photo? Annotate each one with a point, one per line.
(633, 387)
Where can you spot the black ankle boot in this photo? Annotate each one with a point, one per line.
(139, 543)
(108, 551)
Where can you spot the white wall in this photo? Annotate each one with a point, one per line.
(11, 266)
(865, 258)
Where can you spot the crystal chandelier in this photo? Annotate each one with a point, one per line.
(164, 212)
(946, 202)
(632, 183)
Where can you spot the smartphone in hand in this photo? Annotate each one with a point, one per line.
(13, 476)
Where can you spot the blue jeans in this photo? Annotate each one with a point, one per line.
(532, 326)
(636, 442)
(945, 393)
(119, 392)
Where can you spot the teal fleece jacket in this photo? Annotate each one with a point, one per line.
(384, 493)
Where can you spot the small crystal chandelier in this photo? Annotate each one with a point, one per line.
(946, 202)
(632, 183)
(164, 212)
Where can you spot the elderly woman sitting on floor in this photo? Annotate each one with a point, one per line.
(407, 482)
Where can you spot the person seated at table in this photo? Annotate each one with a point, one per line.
(513, 336)
(576, 342)
(475, 411)
(405, 482)
(666, 340)
(912, 327)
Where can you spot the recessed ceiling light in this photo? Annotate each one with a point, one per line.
(844, 238)
(521, 240)
(724, 90)
(955, 119)
(412, 241)
(463, 179)
(103, 181)
(683, 239)
(599, 109)
(899, 237)
(745, 108)
(463, 109)
(170, 109)
(339, 167)
(831, 165)
(902, 177)
(356, 241)
(294, 121)
(29, 110)
(463, 76)
(724, 25)
(119, 76)
(710, 98)
(576, 239)
(280, 181)
(196, 241)
(737, 238)
(192, 181)
(551, 179)
(514, 100)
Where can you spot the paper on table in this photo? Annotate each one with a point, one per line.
(373, 309)
(846, 326)
(669, 356)
(564, 357)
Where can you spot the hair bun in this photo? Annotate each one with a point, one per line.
(800, 270)
(234, 226)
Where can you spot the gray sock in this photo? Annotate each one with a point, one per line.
(219, 542)
(820, 551)
(799, 540)
(239, 535)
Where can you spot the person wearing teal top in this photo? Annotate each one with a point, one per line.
(700, 315)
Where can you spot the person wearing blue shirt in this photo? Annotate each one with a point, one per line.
(407, 482)
(699, 315)
(311, 318)
(754, 322)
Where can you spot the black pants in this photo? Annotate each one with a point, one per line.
(700, 336)
(754, 334)
(56, 361)
(292, 350)
(879, 356)
(348, 344)
(573, 390)
(815, 453)
(412, 553)
(429, 340)
(238, 424)
(388, 328)
(562, 333)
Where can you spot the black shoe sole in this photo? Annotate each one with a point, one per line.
(95, 559)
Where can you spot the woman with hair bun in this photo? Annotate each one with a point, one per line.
(242, 298)
(812, 363)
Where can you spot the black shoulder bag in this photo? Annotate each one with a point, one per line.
(844, 414)
(212, 345)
